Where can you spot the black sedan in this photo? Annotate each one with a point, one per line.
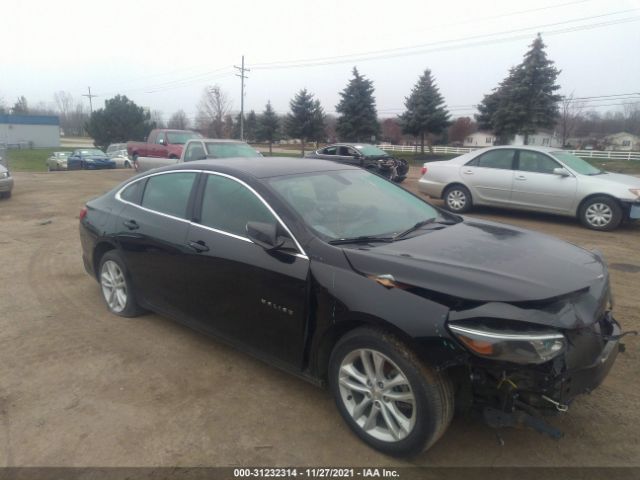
(344, 278)
(365, 156)
(89, 159)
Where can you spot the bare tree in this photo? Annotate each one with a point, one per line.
(64, 102)
(570, 112)
(179, 120)
(214, 106)
(158, 119)
(632, 117)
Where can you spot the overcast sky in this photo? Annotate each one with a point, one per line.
(163, 53)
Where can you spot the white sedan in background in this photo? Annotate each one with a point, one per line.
(534, 178)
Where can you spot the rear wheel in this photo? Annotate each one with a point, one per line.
(457, 199)
(390, 399)
(117, 289)
(600, 213)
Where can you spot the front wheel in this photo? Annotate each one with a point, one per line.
(117, 289)
(600, 213)
(457, 199)
(388, 397)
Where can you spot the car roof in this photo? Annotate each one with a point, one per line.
(263, 167)
(217, 140)
(354, 144)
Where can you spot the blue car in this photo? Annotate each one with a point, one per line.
(89, 159)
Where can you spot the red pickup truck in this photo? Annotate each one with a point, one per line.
(161, 143)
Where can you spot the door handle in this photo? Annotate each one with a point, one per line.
(198, 246)
(520, 177)
(468, 172)
(131, 224)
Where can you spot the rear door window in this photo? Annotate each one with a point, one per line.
(133, 192)
(500, 159)
(169, 193)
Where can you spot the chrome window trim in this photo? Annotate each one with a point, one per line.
(300, 254)
(505, 336)
(266, 204)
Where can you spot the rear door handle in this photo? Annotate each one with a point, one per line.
(520, 177)
(131, 224)
(198, 246)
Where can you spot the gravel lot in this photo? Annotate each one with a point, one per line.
(81, 387)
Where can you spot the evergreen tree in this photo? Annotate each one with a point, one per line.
(268, 128)
(524, 101)
(119, 121)
(425, 111)
(250, 127)
(306, 120)
(358, 120)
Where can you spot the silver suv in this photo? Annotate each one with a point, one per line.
(534, 178)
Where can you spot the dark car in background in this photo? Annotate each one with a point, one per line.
(344, 278)
(89, 159)
(365, 156)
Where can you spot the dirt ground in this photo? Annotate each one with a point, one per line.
(82, 387)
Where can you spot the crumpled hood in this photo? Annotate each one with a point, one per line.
(483, 261)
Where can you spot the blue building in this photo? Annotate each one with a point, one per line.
(30, 131)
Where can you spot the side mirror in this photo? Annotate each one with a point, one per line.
(264, 234)
(563, 172)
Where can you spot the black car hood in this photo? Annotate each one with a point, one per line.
(483, 261)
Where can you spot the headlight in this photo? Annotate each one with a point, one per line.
(524, 347)
(4, 175)
(635, 191)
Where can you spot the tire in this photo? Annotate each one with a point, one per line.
(457, 199)
(113, 275)
(5, 194)
(425, 415)
(600, 213)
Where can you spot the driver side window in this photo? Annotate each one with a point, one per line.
(195, 151)
(227, 205)
(329, 151)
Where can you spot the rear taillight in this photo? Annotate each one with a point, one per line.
(423, 170)
(83, 213)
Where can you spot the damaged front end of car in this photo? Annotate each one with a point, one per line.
(530, 359)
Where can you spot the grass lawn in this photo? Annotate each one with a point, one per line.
(31, 160)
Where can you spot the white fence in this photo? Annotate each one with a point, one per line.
(602, 154)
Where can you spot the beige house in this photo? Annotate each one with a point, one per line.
(480, 139)
(622, 141)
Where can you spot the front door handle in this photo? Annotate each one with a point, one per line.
(198, 246)
(131, 224)
(520, 177)
(468, 172)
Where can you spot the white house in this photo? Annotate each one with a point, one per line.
(622, 141)
(540, 138)
(32, 131)
(480, 139)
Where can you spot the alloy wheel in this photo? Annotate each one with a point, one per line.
(377, 395)
(114, 286)
(599, 214)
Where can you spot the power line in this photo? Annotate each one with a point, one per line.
(242, 76)
(432, 47)
(90, 96)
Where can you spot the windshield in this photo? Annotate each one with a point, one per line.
(229, 150)
(351, 203)
(370, 150)
(180, 138)
(576, 164)
(93, 151)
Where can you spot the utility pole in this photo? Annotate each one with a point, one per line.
(90, 97)
(242, 76)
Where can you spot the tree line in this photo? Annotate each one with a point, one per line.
(525, 101)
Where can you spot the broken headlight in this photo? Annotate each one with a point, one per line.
(524, 347)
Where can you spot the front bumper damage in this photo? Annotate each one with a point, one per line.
(522, 396)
